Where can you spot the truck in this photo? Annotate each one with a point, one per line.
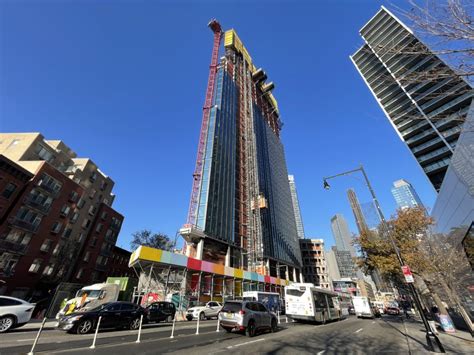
(362, 307)
(271, 300)
(92, 296)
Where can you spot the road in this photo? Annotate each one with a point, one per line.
(354, 336)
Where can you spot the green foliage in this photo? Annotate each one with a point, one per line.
(150, 239)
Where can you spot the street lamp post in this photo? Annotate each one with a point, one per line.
(431, 338)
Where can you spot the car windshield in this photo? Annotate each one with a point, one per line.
(89, 293)
(232, 307)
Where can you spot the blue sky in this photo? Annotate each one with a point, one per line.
(123, 82)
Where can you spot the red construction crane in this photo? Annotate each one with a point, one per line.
(197, 176)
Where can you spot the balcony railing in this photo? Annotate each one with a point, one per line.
(38, 206)
(48, 188)
(30, 227)
(12, 246)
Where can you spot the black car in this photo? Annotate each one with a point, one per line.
(160, 311)
(114, 315)
(351, 310)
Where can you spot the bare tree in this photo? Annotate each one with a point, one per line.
(150, 239)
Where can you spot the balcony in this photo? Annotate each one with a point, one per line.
(105, 252)
(27, 226)
(48, 188)
(110, 238)
(115, 227)
(13, 247)
(101, 267)
(37, 206)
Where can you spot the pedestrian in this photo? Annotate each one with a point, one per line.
(405, 310)
(435, 311)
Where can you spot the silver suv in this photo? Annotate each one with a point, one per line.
(247, 316)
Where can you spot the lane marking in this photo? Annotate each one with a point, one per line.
(246, 343)
(321, 352)
(25, 339)
(359, 330)
(373, 322)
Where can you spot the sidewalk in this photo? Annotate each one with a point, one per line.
(459, 342)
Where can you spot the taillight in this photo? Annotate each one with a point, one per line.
(241, 312)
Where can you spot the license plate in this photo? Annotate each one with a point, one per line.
(229, 315)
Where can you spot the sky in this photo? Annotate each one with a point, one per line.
(123, 83)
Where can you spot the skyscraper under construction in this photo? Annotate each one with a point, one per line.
(241, 212)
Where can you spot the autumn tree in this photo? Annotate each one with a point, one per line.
(148, 238)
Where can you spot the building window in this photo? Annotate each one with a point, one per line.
(46, 246)
(80, 203)
(48, 270)
(56, 228)
(7, 263)
(65, 210)
(87, 256)
(9, 189)
(94, 242)
(104, 216)
(103, 185)
(35, 266)
(44, 153)
(109, 233)
(73, 196)
(56, 250)
(93, 176)
(92, 210)
(67, 232)
(79, 273)
(81, 238)
(86, 223)
(19, 237)
(92, 193)
(98, 229)
(49, 182)
(74, 217)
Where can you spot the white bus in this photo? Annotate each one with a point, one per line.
(304, 301)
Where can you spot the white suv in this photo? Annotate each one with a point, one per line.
(211, 309)
(14, 313)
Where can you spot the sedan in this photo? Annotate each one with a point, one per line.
(160, 311)
(394, 311)
(113, 315)
(14, 313)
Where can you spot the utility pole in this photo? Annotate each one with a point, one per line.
(431, 338)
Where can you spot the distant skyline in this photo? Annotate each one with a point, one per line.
(124, 84)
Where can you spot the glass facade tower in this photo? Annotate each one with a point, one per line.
(296, 207)
(341, 234)
(405, 195)
(423, 99)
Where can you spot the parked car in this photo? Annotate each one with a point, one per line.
(209, 310)
(160, 312)
(351, 310)
(394, 311)
(247, 316)
(114, 315)
(376, 312)
(14, 313)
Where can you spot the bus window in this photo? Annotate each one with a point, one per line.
(320, 300)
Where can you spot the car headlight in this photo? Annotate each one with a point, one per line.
(73, 319)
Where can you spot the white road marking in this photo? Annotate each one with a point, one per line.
(373, 322)
(359, 330)
(321, 352)
(246, 343)
(26, 339)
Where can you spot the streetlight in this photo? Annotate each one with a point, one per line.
(430, 336)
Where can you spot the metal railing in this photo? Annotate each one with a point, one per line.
(37, 206)
(23, 224)
(12, 246)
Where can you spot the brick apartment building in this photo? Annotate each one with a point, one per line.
(56, 219)
(314, 263)
(118, 265)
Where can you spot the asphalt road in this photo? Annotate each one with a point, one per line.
(350, 336)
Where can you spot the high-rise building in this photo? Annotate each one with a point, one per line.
(56, 220)
(314, 262)
(341, 234)
(372, 218)
(405, 195)
(345, 263)
(241, 212)
(296, 207)
(427, 111)
(331, 266)
(357, 210)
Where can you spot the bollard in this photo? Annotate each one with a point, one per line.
(197, 327)
(218, 323)
(278, 317)
(96, 331)
(172, 328)
(37, 337)
(139, 329)
(286, 318)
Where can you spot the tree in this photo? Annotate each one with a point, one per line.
(148, 238)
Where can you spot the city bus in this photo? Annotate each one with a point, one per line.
(305, 302)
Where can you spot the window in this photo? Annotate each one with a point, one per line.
(46, 246)
(103, 216)
(98, 229)
(87, 256)
(44, 153)
(92, 193)
(79, 273)
(109, 234)
(92, 210)
(80, 203)
(56, 250)
(48, 270)
(93, 176)
(48, 182)
(35, 266)
(67, 232)
(7, 263)
(56, 228)
(81, 238)
(65, 210)
(20, 237)
(73, 196)
(103, 185)
(93, 242)
(74, 217)
(8, 302)
(86, 223)
(9, 189)
(99, 259)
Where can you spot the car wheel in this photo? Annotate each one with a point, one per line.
(250, 331)
(134, 324)
(84, 327)
(169, 319)
(6, 323)
(274, 325)
(202, 316)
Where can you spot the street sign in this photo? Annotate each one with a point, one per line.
(407, 273)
